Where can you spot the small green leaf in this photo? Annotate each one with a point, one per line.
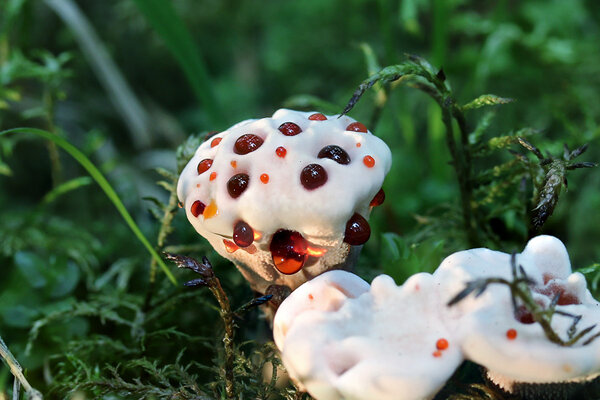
(486, 100)
(66, 187)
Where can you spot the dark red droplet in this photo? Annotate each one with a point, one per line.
(247, 143)
(210, 134)
(317, 117)
(243, 235)
(313, 176)
(288, 249)
(335, 153)
(358, 230)
(524, 316)
(204, 165)
(378, 199)
(356, 127)
(197, 208)
(564, 298)
(289, 129)
(237, 184)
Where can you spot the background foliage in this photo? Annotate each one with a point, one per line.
(82, 304)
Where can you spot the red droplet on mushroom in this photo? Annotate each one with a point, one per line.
(230, 246)
(313, 176)
(247, 143)
(369, 161)
(204, 165)
(264, 178)
(310, 296)
(511, 334)
(335, 153)
(288, 249)
(280, 151)
(213, 176)
(197, 208)
(437, 354)
(356, 127)
(243, 235)
(210, 134)
(317, 117)
(215, 141)
(289, 129)
(237, 184)
(358, 230)
(524, 316)
(378, 199)
(441, 344)
(233, 164)
(250, 249)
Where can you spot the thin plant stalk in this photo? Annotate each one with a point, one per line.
(17, 371)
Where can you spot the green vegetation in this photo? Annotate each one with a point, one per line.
(102, 103)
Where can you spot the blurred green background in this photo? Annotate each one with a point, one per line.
(127, 81)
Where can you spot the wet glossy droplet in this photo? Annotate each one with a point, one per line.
(213, 176)
(233, 164)
(358, 230)
(264, 178)
(317, 117)
(211, 210)
(437, 354)
(335, 153)
(197, 208)
(204, 165)
(289, 129)
(313, 176)
(179, 204)
(511, 334)
(247, 143)
(356, 127)
(378, 199)
(243, 235)
(369, 161)
(281, 151)
(441, 344)
(215, 141)
(288, 249)
(237, 184)
(230, 246)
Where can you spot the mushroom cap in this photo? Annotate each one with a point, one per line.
(273, 196)
(484, 321)
(374, 345)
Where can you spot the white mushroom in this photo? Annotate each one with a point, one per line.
(287, 197)
(390, 342)
(513, 348)
(341, 339)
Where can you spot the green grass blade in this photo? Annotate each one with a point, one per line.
(66, 187)
(164, 19)
(104, 185)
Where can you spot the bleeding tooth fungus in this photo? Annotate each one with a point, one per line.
(299, 179)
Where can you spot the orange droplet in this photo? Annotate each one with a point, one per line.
(233, 164)
(197, 185)
(211, 210)
(441, 344)
(213, 176)
(280, 151)
(215, 142)
(369, 161)
(264, 178)
(180, 204)
(358, 144)
(511, 334)
(317, 117)
(257, 235)
(437, 353)
(230, 246)
(356, 127)
(310, 296)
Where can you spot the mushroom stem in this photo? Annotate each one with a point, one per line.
(205, 270)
